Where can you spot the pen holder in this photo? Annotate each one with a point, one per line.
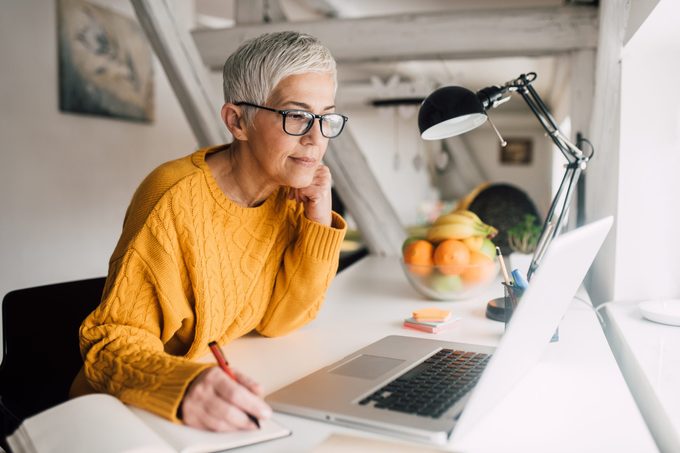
(501, 308)
(511, 297)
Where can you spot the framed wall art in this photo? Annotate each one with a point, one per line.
(518, 151)
(105, 63)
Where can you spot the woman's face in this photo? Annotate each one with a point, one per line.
(284, 159)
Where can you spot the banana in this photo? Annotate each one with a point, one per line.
(455, 217)
(461, 215)
(470, 197)
(466, 218)
(469, 214)
(440, 233)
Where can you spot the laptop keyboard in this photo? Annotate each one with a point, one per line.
(432, 387)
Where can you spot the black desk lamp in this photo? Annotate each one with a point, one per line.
(451, 111)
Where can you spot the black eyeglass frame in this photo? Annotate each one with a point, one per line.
(284, 114)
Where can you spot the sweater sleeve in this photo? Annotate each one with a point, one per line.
(122, 341)
(308, 267)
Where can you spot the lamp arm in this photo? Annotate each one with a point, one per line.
(576, 159)
(539, 109)
(492, 97)
(556, 214)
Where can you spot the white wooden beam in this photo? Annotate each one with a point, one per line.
(257, 11)
(304, 10)
(602, 196)
(462, 172)
(467, 165)
(185, 70)
(354, 181)
(352, 95)
(459, 35)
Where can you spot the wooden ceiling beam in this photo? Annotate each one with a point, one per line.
(448, 35)
(185, 71)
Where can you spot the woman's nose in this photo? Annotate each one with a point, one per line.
(314, 135)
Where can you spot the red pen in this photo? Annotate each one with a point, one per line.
(222, 362)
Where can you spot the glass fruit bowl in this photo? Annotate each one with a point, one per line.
(451, 282)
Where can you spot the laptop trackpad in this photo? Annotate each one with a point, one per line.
(367, 366)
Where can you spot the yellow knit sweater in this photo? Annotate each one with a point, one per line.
(192, 266)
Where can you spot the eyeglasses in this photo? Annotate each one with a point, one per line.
(299, 122)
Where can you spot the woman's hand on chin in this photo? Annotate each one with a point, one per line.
(316, 198)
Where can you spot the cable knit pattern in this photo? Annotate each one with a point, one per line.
(191, 266)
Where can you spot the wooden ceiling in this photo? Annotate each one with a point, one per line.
(459, 33)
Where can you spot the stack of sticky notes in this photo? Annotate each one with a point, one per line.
(432, 320)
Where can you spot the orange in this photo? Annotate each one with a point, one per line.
(452, 256)
(409, 240)
(481, 268)
(418, 253)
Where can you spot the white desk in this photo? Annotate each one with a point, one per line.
(649, 356)
(574, 400)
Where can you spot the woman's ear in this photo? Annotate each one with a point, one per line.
(232, 117)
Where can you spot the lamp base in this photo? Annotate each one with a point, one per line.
(495, 309)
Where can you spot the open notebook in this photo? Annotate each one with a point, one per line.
(102, 423)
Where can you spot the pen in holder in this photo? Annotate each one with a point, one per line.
(511, 297)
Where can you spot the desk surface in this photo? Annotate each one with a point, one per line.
(649, 356)
(575, 399)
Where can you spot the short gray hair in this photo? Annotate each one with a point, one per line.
(254, 70)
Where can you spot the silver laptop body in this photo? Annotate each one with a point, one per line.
(335, 393)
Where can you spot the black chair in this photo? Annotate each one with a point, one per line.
(40, 343)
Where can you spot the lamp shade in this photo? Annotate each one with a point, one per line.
(449, 111)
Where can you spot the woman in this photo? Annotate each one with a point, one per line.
(226, 240)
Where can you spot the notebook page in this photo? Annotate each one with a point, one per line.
(92, 423)
(189, 440)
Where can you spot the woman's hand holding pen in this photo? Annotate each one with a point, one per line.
(215, 402)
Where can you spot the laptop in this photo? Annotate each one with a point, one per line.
(434, 391)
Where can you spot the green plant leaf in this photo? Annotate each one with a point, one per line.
(524, 236)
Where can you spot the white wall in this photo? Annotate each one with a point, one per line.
(535, 178)
(381, 136)
(648, 246)
(65, 179)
